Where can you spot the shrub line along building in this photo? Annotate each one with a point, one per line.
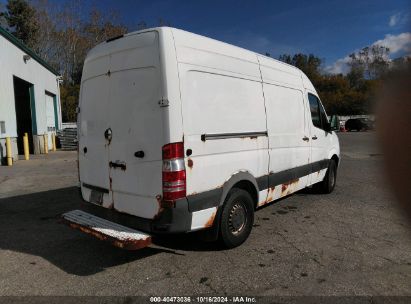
(29, 97)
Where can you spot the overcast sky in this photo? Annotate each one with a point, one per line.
(329, 29)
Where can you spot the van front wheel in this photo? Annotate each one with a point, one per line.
(328, 184)
(237, 218)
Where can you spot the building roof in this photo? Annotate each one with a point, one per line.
(17, 42)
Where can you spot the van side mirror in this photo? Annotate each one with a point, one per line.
(334, 123)
(327, 127)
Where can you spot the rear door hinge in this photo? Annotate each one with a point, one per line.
(163, 102)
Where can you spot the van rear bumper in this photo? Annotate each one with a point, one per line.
(170, 220)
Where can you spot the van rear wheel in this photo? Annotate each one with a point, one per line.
(237, 218)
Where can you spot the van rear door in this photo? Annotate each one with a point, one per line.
(130, 167)
(92, 123)
(137, 125)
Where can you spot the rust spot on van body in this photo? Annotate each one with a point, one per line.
(160, 209)
(190, 163)
(270, 195)
(210, 221)
(159, 199)
(286, 186)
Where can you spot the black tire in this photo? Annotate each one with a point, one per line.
(237, 218)
(330, 179)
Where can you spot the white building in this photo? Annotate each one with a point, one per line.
(29, 97)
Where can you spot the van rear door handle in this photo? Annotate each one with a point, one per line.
(305, 138)
(314, 137)
(118, 164)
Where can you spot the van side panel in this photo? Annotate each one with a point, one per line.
(287, 124)
(217, 105)
(221, 94)
(289, 153)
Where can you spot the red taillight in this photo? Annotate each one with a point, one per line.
(174, 173)
(174, 185)
(175, 150)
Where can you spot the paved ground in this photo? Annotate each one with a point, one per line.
(351, 242)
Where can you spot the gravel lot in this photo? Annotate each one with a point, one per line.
(352, 242)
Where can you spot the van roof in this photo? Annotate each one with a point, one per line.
(215, 40)
(242, 52)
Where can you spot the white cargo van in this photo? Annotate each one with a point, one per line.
(179, 132)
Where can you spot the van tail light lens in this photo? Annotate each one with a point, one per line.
(175, 150)
(174, 172)
(174, 185)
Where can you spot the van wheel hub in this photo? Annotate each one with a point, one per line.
(237, 219)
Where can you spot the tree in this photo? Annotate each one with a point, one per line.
(3, 21)
(101, 27)
(46, 42)
(342, 94)
(371, 61)
(356, 77)
(379, 64)
(20, 17)
(69, 101)
(309, 64)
